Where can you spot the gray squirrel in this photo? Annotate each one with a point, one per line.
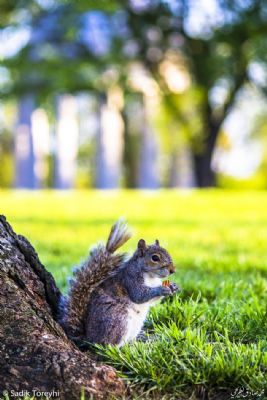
(110, 295)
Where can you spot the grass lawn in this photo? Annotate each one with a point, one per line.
(212, 336)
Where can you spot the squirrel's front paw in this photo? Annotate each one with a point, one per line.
(166, 291)
(174, 288)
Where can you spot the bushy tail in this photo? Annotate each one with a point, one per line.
(119, 234)
(101, 264)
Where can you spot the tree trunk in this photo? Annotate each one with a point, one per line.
(131, 151)
(41, 147)
(205, 176)
(109, 144)
(24, 154)
(67, 136)
(35, 353)
(148, 166)
(181, 172)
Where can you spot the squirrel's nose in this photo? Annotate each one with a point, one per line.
(172, 269)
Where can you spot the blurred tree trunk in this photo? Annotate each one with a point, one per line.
(148, 165)
(109, 144)
(148, 174)
(201, 53)
(24, 153)
(101, 177)
(67, 135)
(129, 156)
(35, 353)
(205, 176)
(132, 118)
(182, 173)
(41, 146)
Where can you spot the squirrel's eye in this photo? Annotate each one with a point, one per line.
(155, 258)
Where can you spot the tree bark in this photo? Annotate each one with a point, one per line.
(35, 353)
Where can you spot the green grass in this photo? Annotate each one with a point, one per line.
(210, 337)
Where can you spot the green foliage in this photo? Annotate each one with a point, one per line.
(211, 335)
(216, 59)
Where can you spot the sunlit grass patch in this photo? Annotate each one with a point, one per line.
(180, 360)
(211, 335)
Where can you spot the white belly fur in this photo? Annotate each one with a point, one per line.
(137, 312)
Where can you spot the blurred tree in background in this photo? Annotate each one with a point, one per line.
(136, 91)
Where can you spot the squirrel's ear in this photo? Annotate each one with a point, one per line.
(141, 247)
(156, 242)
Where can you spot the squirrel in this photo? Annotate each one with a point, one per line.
(110, 295)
